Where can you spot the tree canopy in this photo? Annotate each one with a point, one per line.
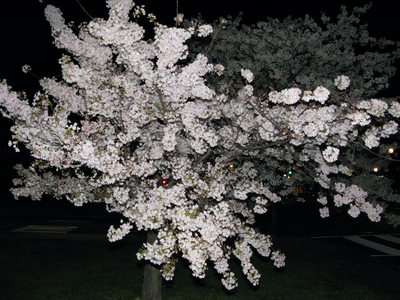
(192, 150)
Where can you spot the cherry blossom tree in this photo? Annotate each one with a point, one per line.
(133, 124)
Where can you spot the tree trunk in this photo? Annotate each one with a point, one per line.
(151, 289)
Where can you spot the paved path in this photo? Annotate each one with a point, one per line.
(385, 246)
(66, 229)
(377, 245)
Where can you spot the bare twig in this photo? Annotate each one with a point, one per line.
(215, 35)
(177, 13)
(84, 10)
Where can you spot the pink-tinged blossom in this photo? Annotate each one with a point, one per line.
(248, 90)
(359, 118)
(389, 129)
(204, 30)
(156, 152)
(330, 154)
(169, 139)
(374, 107)
(340, 187)
(54, 17)
(323, 200)
(344, 170)
(179, 18)
(117, 234)
(321, 94)
(324, 212)
(219, 69)
(247, 74)
(394, 109)
(377, 108)
(229, 280)
(287, 96)
(354, 211)
(307, 96)
(64, 38)
(311, 129)
(338, 200)
(370, 139)
(15, 106)
(342, 82)
(278, 258)
(275, 97)
(290, 96)
(351, 195)
(26, 68)
(170, 47)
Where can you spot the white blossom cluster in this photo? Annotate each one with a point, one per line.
(356, 198)
(331, 154)
(219, 69)
(342, 82)
(204, 30)
(135, 126)
(117, 234)
(247, 74)
(287, 96)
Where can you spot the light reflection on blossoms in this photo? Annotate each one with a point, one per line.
(130, 113)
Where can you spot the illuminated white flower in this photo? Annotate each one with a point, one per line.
(331, 154)
(26, 68)
(324, 212)
(219, 69)
(394, 109)
(321, 94)
(323, 200)
(179, 18)
(204, 30)
(247, 74)
(290, 96)
(342, 82)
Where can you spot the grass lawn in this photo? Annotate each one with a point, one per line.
(67, 269)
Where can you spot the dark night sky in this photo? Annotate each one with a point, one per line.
(26, 34)
(26, 39)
